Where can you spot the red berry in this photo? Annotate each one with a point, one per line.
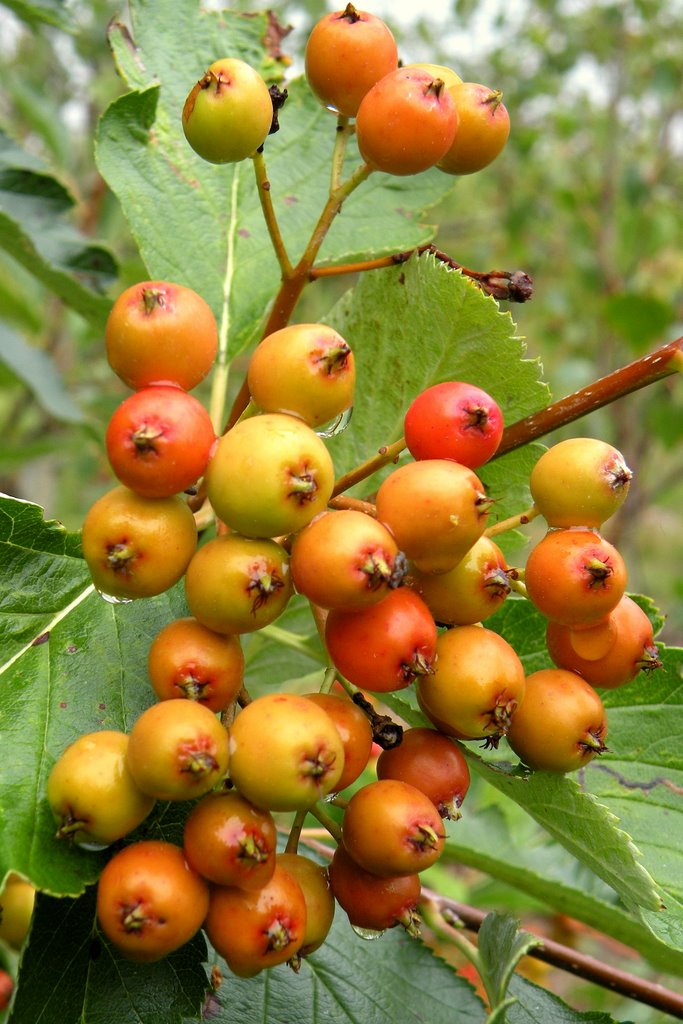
(455, 421)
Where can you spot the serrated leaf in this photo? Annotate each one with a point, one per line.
(35, 231)
(70, 975)
(501, 945)
(524, 857)
(348, 980)
(535, 1005)
(420, 324)
(168, 193)
(38, 372)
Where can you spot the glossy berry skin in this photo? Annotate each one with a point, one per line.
(290, 474)
(406, 122)
(137, 546)
(448, 76)
(161, 333)
(454, 420)
(92, 794)
(432, 763)
(159, 440)
(305, 370)
(477, 685)
(238, 584)
(187, 660)
(610, 653)
(392, 828)
(385, 647)
(371, 901)
(347, 52)
(177, 750)
(436, 510)
(579, 482)
(230, 842)
(257, 929)
(354, 731)
(285, 753)
(320, 906)
(575, 577)
(483, 129)
(561, 724)
(474, 589)
(345, 559)
(228, 113)
(17, 900)
(149, 901)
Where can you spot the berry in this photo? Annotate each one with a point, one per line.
(92, 794)
(575, 577)
(230, 842)
(371, 901)
(238, 584)
(161, 333)
(406, 122)
(315, 885)
(137, 546)
(354, 731)
(474, 589)
(289, 470)
(17, 900)
(476, 687)
(392, 828)
(158, 441)
(385, 647)
(346, 54)
(610, 653)
(149, 901)
(305, 370)
(483, 129)
(177, 750)
(436, 510)
(6, 989)
(561, 724)
(455, 421)
(432, 763)
(228, 113)
(345, 560)
(257, 929)
(285, 753)
(579, 482)
(188, 660)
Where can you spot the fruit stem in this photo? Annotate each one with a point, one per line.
(269, 215)
(512, 522)
(292, 844)
(328, 679)
(385, 455)
(344, 132)
(663, 362)
(327, 821)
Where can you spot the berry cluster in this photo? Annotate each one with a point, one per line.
(399, 587)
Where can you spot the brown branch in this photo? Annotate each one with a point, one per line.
(504, 285)
(573, 962)
(661, 363)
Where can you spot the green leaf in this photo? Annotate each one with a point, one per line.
(420, 324)
(39, 373)
(35, 231)
(393, 978)
(168, 193)
(640, 319)
(69, 974)
(49, 12)
(535, 1005)
(501, 945)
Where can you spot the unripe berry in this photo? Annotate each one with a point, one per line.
(228, 113)
(579, 482)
